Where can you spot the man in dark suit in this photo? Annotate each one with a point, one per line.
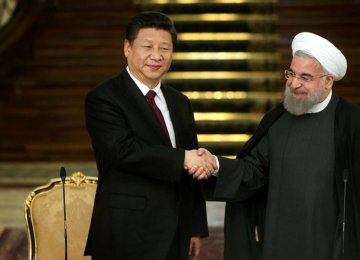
(147, 206)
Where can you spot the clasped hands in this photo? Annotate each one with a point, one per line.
(199, 163)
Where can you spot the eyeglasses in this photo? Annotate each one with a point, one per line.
(302, 77)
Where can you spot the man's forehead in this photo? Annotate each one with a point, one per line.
(305, 64)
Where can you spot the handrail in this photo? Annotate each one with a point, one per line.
(24, 16)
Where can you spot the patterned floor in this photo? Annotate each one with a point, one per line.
(13, 244)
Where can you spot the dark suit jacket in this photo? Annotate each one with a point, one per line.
(143, 193)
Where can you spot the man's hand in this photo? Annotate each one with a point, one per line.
(199, 163)
(195, 247)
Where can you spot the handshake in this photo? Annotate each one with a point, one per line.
(201, 164)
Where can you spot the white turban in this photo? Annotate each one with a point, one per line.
(324, 51)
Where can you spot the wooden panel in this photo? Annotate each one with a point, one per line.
(47, 74)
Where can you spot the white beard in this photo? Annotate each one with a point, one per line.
(299, 107)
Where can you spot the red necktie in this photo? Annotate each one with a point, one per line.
(150, 98)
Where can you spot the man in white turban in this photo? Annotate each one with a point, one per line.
(293, 193)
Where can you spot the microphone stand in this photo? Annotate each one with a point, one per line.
(345, 179)
(63, 176)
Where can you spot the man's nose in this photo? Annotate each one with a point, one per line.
(156, 54)
(294, 82)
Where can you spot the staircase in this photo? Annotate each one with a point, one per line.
(226, 63)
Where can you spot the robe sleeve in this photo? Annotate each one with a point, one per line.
(241, 178)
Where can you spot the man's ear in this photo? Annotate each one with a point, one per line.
(329, 81)
(127, 48)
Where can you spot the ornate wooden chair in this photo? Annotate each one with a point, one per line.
(44, 217)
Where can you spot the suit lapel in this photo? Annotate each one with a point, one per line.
(140, 103)
(174, 109)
